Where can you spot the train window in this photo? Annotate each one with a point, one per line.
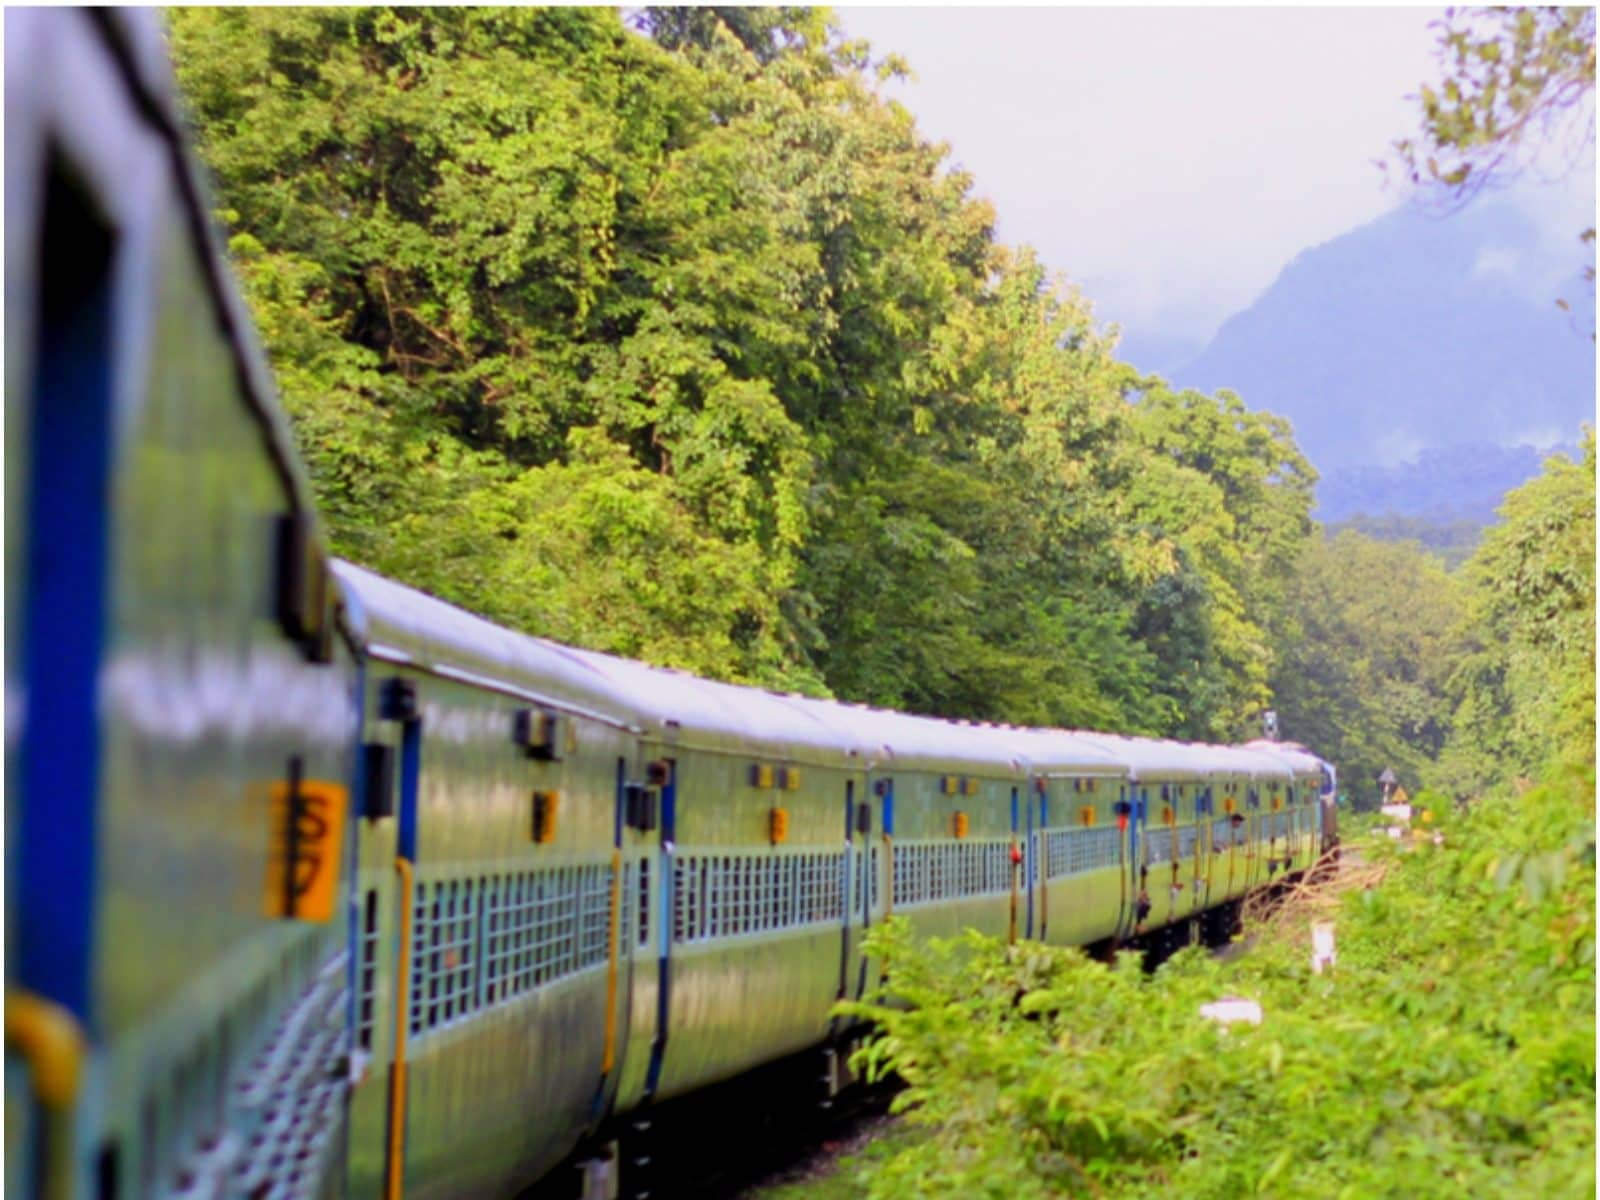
(537, 927)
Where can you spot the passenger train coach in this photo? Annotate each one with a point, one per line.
(319, 886)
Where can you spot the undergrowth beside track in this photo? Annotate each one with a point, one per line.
(1449, 1052)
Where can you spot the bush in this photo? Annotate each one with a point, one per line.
(1450, 1052)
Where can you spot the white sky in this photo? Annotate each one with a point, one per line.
(1171, 161)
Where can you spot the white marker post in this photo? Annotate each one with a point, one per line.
(1322, 954)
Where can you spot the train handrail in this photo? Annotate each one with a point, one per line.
(53, 1045)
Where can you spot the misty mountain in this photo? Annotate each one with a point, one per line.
(1417, 333)
(1444, 486)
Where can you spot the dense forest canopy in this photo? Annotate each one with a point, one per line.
(670, 336)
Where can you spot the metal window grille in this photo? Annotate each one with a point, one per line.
(1187, 835)
(594, 915)
(367, 972)
(272, 1088)
(444, 957)
(508, 938)
(1073, 851)
(642, 908)
(1158, 843)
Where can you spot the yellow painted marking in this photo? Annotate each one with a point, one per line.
(546, 805)
(318, 838)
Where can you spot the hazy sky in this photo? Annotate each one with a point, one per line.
(1171, 161)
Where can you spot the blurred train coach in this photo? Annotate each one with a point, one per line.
(318, 886)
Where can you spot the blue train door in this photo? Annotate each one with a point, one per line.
(58, 449)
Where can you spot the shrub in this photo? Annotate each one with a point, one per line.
(1450, 1052)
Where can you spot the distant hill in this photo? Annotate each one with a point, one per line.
(1412, 334)
(1443, 499)
(1452, 541)
(1443, 486)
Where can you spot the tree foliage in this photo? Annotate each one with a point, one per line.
(1374, 635)
(1524, 688)
(1515, 81)
(1449, 1052)
(1518, 87)
(680, 341)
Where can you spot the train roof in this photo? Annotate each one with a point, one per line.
(679, 707)
(401, 625)
(1300, 760)
(1056, 753)
(1156, 758)
(1166, 760)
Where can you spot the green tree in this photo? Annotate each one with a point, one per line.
(1525, 688)
(1229, 488)
(1374, 637)
(1515, 80)
(689, 346)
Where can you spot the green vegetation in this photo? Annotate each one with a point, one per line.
(1523, 687)
(1462, 681)
(1450, 1051)
(1453, 541)
(1515, 84)
(1518, 85)
(680, 342)
(1365, 676)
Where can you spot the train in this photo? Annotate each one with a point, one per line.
(319, 886)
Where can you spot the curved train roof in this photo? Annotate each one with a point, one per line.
(1300, 760)
(1159, 759)
(399, 624)
(402, 625)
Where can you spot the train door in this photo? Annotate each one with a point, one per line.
(388, 776)
(646, 823)
(1225, 870)
(866, 831)
(881, 790)
(1038, 882)
(58, 444)
(1136, 876)
(1255, 854)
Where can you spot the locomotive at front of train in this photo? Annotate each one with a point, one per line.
(178, 692)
